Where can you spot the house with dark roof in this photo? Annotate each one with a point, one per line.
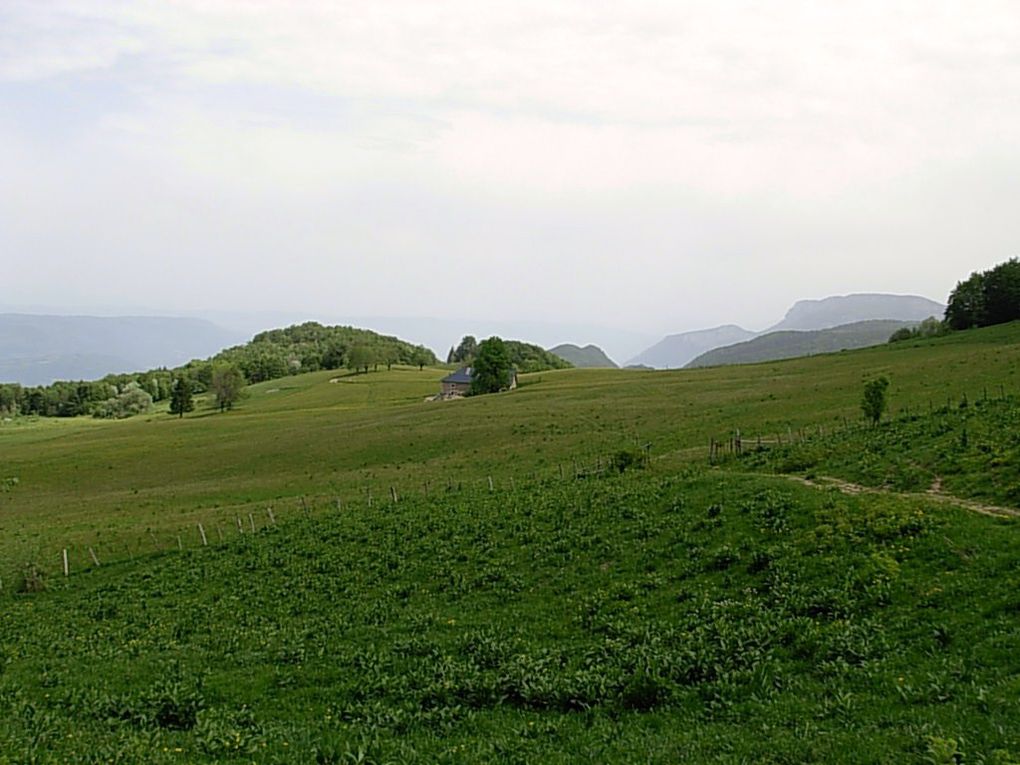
(459, 383)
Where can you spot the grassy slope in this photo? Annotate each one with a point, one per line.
(676, 613)
(83, 482)
(635, 618)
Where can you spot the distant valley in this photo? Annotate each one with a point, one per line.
(36, 350)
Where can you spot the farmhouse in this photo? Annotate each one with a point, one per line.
(459, 383)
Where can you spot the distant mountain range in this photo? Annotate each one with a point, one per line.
(788, 344)
(591, 356)
(36, 350)
(675, 351)
(848, 309)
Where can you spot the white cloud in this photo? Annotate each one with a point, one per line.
(678, 156)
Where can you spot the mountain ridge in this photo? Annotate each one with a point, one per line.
(590, 356)
(793, 343)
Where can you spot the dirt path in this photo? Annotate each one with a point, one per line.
(933, 494)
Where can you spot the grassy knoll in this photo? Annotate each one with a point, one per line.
(118, 485)
(692, 617)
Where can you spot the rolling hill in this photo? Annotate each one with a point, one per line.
(790, 344)
(588, 357)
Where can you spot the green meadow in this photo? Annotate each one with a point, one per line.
(521, 600)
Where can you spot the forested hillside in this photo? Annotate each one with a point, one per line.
(276, 353)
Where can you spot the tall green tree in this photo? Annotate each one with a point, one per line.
(491, 369)
(464, 352)
(181, 399)
(1002, 293)
(227, 385)
(966, 306)
(360, 358)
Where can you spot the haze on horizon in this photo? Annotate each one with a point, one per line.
(650, 166)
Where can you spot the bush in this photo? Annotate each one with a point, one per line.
(625, 459)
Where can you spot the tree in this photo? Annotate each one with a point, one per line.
(464, 352)
(422, 356)
(360, 358)
(181, 400)
(1002, 292)
(873, 403)
(966, 306)
(491, 369)
(227, 385)
(389, 356)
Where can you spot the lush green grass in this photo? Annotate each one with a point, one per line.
(697, 617)
(679, 612)
(109, 484)
(968, 449)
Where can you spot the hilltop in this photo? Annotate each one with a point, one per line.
(793, 343)
(588, 357)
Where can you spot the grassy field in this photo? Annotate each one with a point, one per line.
(138, 483)
(676, 612)
(698, 617)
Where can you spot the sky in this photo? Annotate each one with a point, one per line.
(653, 167)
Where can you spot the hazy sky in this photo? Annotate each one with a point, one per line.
(658, 166)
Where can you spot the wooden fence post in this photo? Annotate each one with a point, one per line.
(240, 527)
(272, 518)
(393, 494)
(251, 521)
(490, 483)
(67, 569)
(92, 553)
(205, 541)
(180, 544)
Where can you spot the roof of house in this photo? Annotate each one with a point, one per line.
(462, 375)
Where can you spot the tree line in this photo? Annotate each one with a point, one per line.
(524, 357)
(984, 299)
